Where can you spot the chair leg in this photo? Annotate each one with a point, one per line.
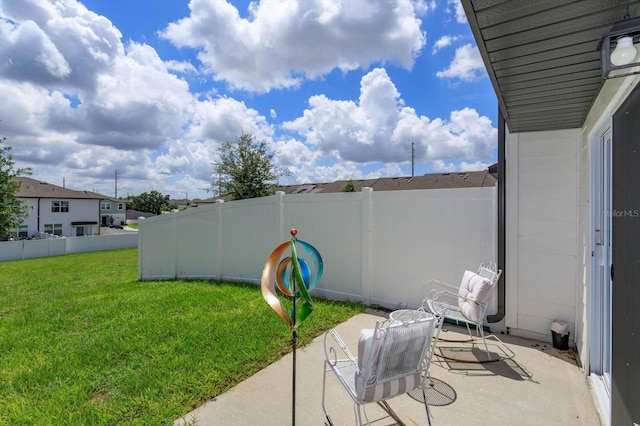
(426, 404)
(486, 347)
(386, 407)
(357, 408)
(479, 335)
(324, 381)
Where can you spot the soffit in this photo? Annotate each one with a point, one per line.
(541, 56)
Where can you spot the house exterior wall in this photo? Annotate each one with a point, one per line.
(541, 214)
(31, 221)
(80, 210)
(113, 210)
(549, 211)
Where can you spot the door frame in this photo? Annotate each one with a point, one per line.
(601, 382)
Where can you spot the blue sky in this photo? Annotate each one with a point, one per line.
(151, 88)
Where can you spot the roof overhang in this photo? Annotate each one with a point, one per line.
(542, 58)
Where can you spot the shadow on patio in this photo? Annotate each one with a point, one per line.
(540, 385)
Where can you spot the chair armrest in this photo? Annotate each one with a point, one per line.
(446, 297)
(433, 287)
(435, 290)
(331, 340)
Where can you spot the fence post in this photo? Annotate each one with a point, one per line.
(176, 260)
(140, 251)
(219, 260)
(367, 249)
(279, 200)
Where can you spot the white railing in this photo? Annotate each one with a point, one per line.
(46, 236)
(377, 247)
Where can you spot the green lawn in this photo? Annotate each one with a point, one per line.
(83, 342)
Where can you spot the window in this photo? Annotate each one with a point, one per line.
(120, 206)
(53, 229)
(105, 206)
(82, 231)
(23, 232)
(59, 206)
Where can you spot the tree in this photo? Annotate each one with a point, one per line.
(246, 169)
(349, 187)
(12, 210)
(153, 202)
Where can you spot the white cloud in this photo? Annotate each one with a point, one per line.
(180, 67)
(379, 128)
(223, 119)
(443, 42)
(466, 66)
(422, 7)
(458, 11)
(284, 42)
(61, 44)
(79, 103)
(464, 166)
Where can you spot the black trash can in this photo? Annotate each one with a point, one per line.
(560, 341)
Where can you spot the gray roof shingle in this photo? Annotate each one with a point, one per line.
(32, 188)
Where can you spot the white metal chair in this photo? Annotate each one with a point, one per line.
(393, 359)
(467, 303)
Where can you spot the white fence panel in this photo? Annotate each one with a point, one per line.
(27, 249)
(377, 247)
(197, 230)
(11, 250)
(101, 242)
(432, 234)
(332, 224)
(157, 242)
(249, 234)
(44, 248)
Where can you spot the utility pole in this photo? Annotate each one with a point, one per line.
(413, 157)
(116, 196)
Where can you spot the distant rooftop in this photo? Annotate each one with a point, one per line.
(32, 188)
(428, 181)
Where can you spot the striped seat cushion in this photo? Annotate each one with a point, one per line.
(390, 388)
(374, 390)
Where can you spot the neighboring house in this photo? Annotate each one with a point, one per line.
(569, 205)
(476, 179)
(428, 181)
(134, 216)
(182, 203)
(58, 211)
(113, 212)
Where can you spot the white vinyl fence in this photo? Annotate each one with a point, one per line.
(377, 247)
(27, 249)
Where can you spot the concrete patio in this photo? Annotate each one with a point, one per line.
(539, 386)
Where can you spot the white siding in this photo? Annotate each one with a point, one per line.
(80, 210)
(32, 220)
(542, 231)
(549, 223)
